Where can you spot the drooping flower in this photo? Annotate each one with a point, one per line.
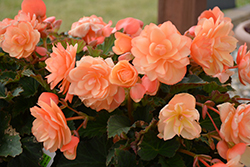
(243, 62)
(36, 7)
(50, 126)
(4, 24)
(235, 123)
(47, 96)
(213, 44)
(122, 43)
(123, 74)
(20, 40)
(90, 82)
(150, 86)
(90, 29)
(69, 150)
(161, 53)
(234, 155)
(130, 26)
(59, 64)
(179, 117)
(137, 92)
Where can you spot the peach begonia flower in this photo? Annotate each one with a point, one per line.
(144, 86)
(38, 25)
(126, 56)
(215, 13)
(161, 53)
(150, 86)
(235, 123)
(4, 24)
(20, 40)
(46, 96)
(90, 82)
(243, 62)
(235, 156)
(36, 7)
(60, 63)
(90, 29)
(50, 126)
(123, 74)
(122, 43)
(179, 117)
(69, 150)
(137, 92)
(130, 26)
(212, 46)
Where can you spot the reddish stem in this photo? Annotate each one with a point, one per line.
(80, 126)
(213, 123)
(75, 118)
(204, 162)
(242, 98)
(233, 67)
(211, 108)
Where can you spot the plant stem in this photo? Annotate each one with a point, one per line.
(211, 108)
(213, 123)
(130, 109)
(204, 162)
(187, 152)
(75, 118)
(242, 98)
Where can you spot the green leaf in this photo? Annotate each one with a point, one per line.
(175, 161)
(124, 158)
(94, 52)
(151, 146)
(143, 113)
(96, 127)
(190, 82)
(90, 153)
(214, 86)
(29, 86)
(31, 156)
(10, 144)
(2, 91)
(106, 46)
(118, 124)
(217, 97)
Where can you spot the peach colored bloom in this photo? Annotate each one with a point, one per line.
(126, 56)
(130, 26)
(122, 43)
(20, 40)
(53, 24)
(69, 150)
(36, 7)
(215, 13)
(50, 126)
(137, 92)
(179, 117)
(234, 155)
(4, 24)
(212, 46)
(150, 86)
(90, 29)
(161, 53)
(235, 123)
(60, 63)
(243, 61)
(123, 74)
(37, 24)
(90, 81)
(47, 96)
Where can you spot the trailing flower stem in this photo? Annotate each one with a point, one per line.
(211, 108)
(75, 118)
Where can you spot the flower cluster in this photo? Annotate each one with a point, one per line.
(139, 88)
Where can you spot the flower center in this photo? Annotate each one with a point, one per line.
(160, 49)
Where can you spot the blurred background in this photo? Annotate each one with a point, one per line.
(72, 10)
